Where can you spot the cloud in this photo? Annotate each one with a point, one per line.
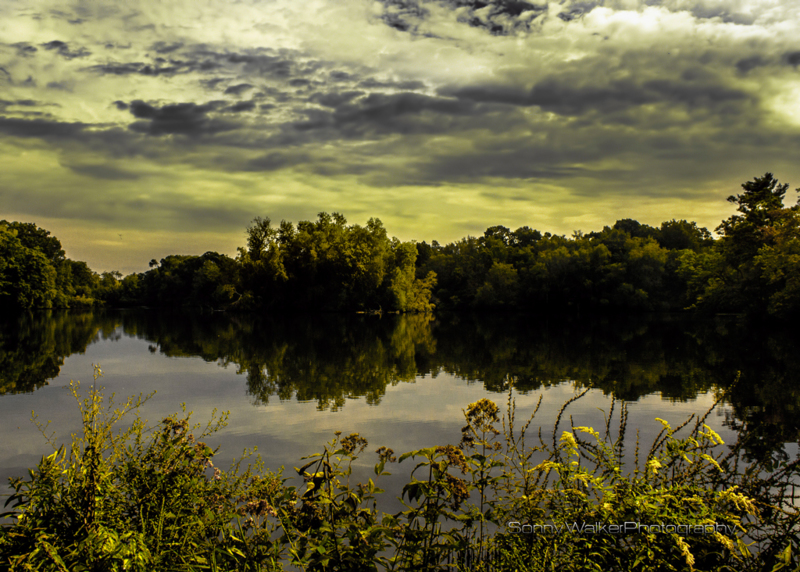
(335, 98)
(238, 89)
(41, 128)
(372, 83)
(25, 50)
(566, 96)
(63, 49)
(338, 75)
(141, 68)
(162, 47)
(179, 119)
(499, 17)
(792, 58)
(746, 65)
(277, 160)
(104, 172)
(241, 106)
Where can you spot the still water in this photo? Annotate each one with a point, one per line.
(400, 381)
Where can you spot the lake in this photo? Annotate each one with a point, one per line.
(289, 382)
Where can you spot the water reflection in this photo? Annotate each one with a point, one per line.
(330, 358)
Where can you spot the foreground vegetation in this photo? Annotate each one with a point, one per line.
(150, 498)
(752, 267)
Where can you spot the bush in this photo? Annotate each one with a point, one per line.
(140, 499)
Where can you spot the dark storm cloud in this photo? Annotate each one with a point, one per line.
(380, 107)
(496, 16)
(264, 63)
(339, 76)
(141, 68)
(565, 98)
(212, 83)
(5, 103)
(277, 160)
(502, 16)
(25, 49)
(746, 65)
(180, 119)
(792, 58)
(240, 106)
(41, 129)
(63, 49)
(334, 99)
(59, 85)
(74, 136)
(707, 11)
(104, 172)
(511, 158)
(570, 100)
(238, 89)
(372, 83)
(491, 94)
(505, 17)
(380, 114)
(403, 15)
(165, 47)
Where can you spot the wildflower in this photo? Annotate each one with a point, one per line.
(713, 435)
(725, 541)
(569, 439)
(386, 455)
(588, 430)
(352, 442)
(455, 458)
(684, 548)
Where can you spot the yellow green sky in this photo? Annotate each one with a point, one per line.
(132, 130)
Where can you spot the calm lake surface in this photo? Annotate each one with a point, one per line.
(400, 381)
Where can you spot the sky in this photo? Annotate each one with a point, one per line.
(138, 129)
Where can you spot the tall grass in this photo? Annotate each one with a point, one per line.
(150, 498)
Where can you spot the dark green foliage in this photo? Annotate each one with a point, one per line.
(118, 501)
(328, 265)
(27, 278)
(35, 273)
(175, 281)
(754, 268)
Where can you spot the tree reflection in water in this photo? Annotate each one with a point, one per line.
(329, 358)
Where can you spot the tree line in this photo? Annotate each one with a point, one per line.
(752, 266)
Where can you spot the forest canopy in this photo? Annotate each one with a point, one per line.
(752, 266)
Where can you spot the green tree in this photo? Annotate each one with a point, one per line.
(33, 237)
(780, 264)
(760, 205)
(27, 278)
(500, 289)
(683, 235)
(744, 283)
